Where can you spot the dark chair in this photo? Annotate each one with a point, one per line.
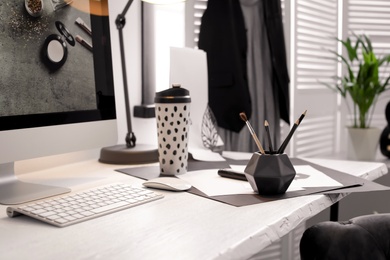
(364, 237)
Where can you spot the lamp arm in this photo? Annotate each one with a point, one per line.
(121, 20)
(120, 23)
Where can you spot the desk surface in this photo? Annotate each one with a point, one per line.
(179, 226)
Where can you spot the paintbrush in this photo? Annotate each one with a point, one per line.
(257, 141)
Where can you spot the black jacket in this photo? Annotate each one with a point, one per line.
(223, 37)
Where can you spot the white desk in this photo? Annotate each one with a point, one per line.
(179, 226)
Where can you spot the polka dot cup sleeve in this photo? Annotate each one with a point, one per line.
(173, 123)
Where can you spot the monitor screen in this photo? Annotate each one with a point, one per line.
(56, 82)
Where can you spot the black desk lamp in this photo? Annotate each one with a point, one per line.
(130, 153)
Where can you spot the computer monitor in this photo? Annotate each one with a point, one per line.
(56, 88)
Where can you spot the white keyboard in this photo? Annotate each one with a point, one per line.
(83, 205)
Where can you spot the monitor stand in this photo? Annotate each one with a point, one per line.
(13, 191)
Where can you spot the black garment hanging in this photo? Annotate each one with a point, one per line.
(281, 80)
(222, 36)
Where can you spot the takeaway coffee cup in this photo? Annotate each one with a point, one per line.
(173, 123)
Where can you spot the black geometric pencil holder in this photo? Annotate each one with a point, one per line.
(269, 174)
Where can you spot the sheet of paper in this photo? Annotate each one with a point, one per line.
(202, 154)
(237, 155)
(209, 182)
(308, 176)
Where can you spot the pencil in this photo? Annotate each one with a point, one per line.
(254, 136)
(290, 134)
(266, 125)
(288, 138)
(302, 116)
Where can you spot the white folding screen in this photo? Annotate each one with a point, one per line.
(194, 12)
(312, 28)
(323, 132)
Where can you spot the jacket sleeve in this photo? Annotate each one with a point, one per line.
(281, 80)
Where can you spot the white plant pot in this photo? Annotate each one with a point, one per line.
(363, 143)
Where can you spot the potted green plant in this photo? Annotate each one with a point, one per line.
(362, 84)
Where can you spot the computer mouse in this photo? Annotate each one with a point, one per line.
(168, 183)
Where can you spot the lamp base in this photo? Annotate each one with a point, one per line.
(121, 154)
